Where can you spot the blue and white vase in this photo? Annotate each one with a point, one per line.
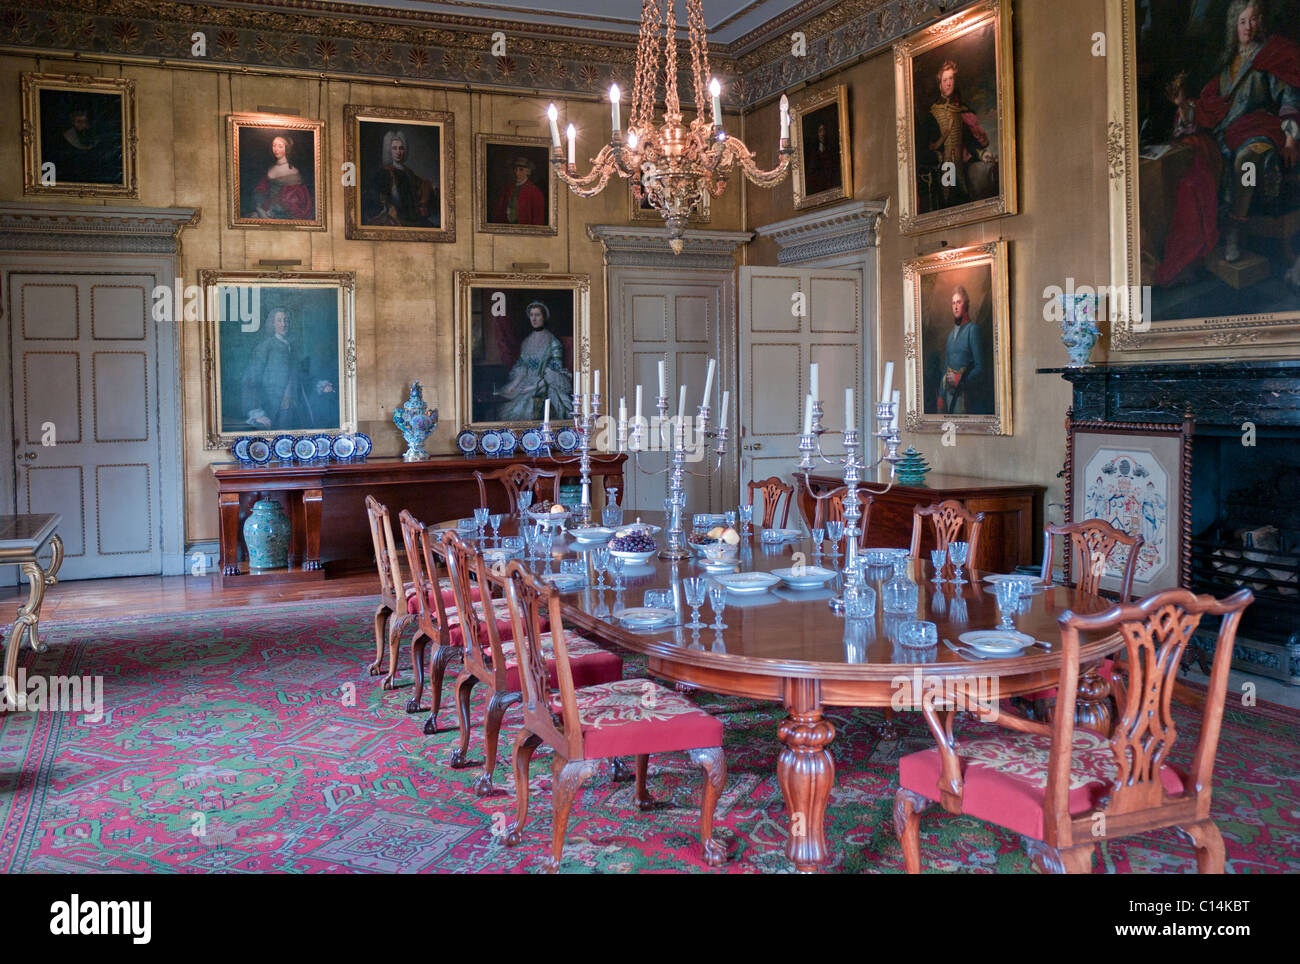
(415, 421)
(1079, 331)
(266, 534)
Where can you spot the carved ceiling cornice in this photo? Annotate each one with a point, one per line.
(348, 39)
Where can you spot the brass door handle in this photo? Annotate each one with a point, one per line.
(30, 456)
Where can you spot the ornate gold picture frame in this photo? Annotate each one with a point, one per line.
(822, 142)
(519, 339)
(500, 160)
(404, 174)
(958, 376)
(954, 87)
(279, 353)
(274, 172)
(79, 136)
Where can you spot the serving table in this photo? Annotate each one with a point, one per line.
(789, 646)
(22, 539)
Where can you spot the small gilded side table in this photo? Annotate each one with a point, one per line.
(22, 538)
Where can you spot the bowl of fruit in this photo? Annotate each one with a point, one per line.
(718, 538)
(632, 546)
(550, 513)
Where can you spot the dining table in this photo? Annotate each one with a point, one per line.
(791, 647)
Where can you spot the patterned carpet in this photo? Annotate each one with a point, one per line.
(240, 725)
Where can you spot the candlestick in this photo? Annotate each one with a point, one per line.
(613, 105)
(663, 381)
(681, 401)
(807, 415)
(708, 382)
(888, 383)
(573, 147)
(812, 382)
(595, 389)
(848, 410)
(893, 426)
(551, 115)
(546, 413)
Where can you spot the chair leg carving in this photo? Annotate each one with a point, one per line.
(464, 686)
(567, 778)
(382, 615)
(908, 807)
(1050, 860)
(419, 643)
(396, 627)
(644, 801)
(496, 711)
(442, 656)
(525, 745)
(618, 771)
(714, 764)
(1207, 840)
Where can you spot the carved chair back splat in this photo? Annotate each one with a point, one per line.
(775, 494)
(1095, 542)
(950, 521)
(515, 479)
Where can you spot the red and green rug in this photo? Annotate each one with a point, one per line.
(229, 743)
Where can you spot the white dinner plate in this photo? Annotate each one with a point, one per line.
(996, 642)
(1035, 585)
(646, 617)
(747, 581)
(565, 581)
(591, 534)
(810, 577)
(633, 558)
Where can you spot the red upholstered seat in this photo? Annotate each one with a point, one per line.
(448, 597)
(591, 664)
(629, 717)
(1005, 777)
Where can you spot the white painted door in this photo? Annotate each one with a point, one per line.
(85, 382)
(790, 317)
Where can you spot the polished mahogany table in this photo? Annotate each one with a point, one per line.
(791, 647)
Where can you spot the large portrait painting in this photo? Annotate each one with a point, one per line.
(1136, 477)
(404, 167)
(79, 135)
(957, 341)
(823, 169)
(520, 338)
(280, 353)
(956, 120)
(1205, 173)
(515, 189)
(273, 172)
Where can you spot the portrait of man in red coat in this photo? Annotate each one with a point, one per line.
(519, 201)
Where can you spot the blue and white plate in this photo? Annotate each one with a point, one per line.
(344, 447)
(323, 445)
(240, 449)
(509, 441)
(566, 439)
(304, 449)
(489, 442)
(363, 445)
(467, 442)
(531, 441)
(282, 447)
(259, 451)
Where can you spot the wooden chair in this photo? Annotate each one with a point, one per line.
(1050, 782)
(489, 657)
(515, 479)
(774, 492)
(950, 521)
(1095, 541)
(584, 725)
(817, 510)
(391, 615)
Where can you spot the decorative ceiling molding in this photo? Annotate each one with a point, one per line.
(842, 229)
(648, 246)
(390, 43)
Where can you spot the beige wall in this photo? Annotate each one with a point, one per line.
(404, 295)
(1062, 232)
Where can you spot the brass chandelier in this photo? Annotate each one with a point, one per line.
(671, 166)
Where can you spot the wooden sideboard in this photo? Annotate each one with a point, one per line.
(325, 503)
(1013, 516)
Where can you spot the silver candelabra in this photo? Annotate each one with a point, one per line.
(584, 422)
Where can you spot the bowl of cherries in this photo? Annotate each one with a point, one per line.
(632, 545)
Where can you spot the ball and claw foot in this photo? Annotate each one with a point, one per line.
(619, 772)
(376, 668)
(483, 787)
(514, 836)
(715, 855)
(413, 706)
(390, 683)
(458, 761)
(430, 726)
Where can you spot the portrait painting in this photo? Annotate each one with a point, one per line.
(403, 162)
(1130, 475)
(79, 135)
(957, 341)
(283, 353)
(520, 338)
(823, 169)
(956, 120)
(274, 172)
(515, 190)
(1205, 182)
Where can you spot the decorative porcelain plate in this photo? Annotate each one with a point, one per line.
(809, 577)
(489, 442)
(282, 447)
(996, 642)
(304, 449)
(748, 581)
(566, 439)
(259, 451)
(344, 447)
(647, 617)
(240, 449)
(364, 445)
(323, 445)
(509, 441)
(467, 442)
(531, 441)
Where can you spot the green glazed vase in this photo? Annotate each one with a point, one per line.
(266, 534)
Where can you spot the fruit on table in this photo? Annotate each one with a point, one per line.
(634, 541)
(557, 509)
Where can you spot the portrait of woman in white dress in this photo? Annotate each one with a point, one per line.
(539, 374)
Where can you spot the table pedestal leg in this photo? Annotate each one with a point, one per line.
(1092, 707)
(806, 772)
(312, 500)
(228, 514)
(27, 622)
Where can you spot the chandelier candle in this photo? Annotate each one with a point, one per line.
(613, 105)
(715, 91)
(552, 115)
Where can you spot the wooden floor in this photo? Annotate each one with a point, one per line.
(134, 595)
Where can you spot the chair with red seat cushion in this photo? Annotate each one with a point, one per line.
(585, 724)
(391, 616)
(1050, 783)
(493, 661)
(515, 479)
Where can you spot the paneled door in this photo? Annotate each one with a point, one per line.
(85, 385)
(790, 317)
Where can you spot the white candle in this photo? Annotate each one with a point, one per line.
(573, 147)
(715, 89)
(708, 382)
(812, 381)
(848, 410)
(888, 383)
(546, 413)
(586, 404)
(663, 382)
(622, 419)
(722, 416)
(807, 414)
(785, 118)
(638, 404)
(893, 426)
(595, 390)
(613, 105)
(551, 115)
(681, 401)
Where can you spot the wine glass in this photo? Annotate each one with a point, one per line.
(496, 519)
(545, 541)
(835, 532)
(616, 564)
(818, 537)
(730, 516)
(1008, 596)
(481, 520)
(525, 500)
(512, 544)
(718, 602)
(937, 559)
(600, 564)
(696, 588)
(957, 552)
(658, 599)
(747, 517)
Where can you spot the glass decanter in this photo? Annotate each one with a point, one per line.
(899, 594)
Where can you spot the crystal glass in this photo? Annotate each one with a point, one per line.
(696, 588)
(512, 544)
(747, 516)
(530, 540)
(835, 532)
(881, 558)
(957, 552)
(899, 594)
(658, 599)
(600, 563)
(918, 634)
(1008, 597)
(574, 567)
(495, 519)
(818, 537)
(718, 602)
(480, 520)
(859, 600)
(730, 516)
(937, 559)
(545, 541)
(616, 567)
(611, 516)
(525, 500)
